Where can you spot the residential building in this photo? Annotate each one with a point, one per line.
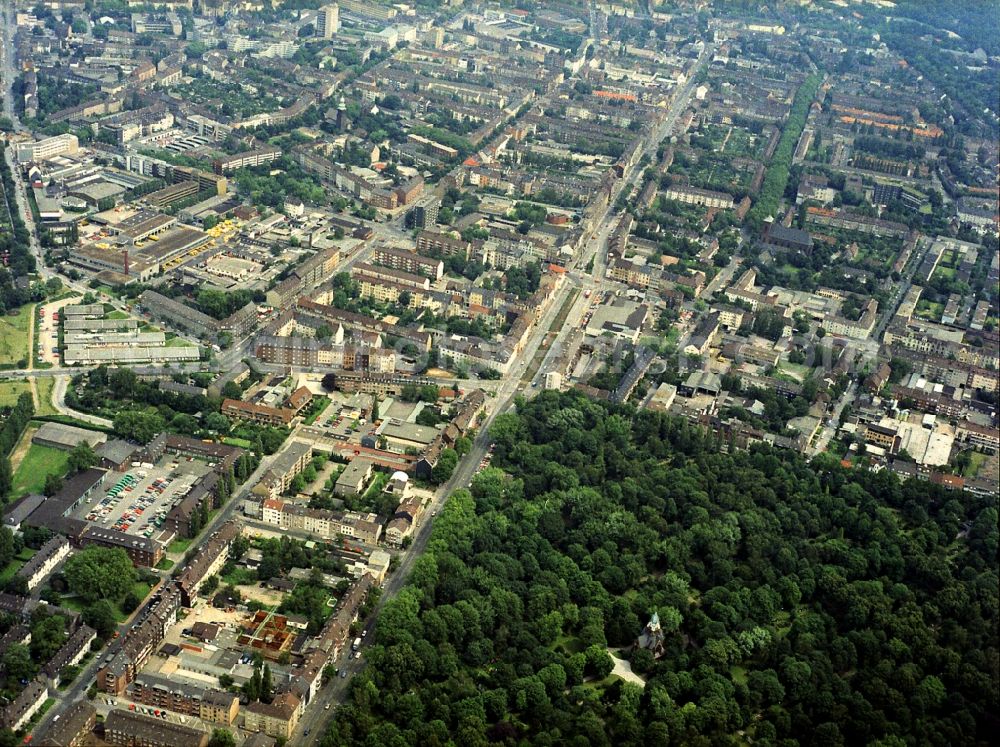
(328, 21)
(208, 704)
(70, 653)
(73, 729)
(354, 477)
(211, 556)
(409, 262)
(701, 197)
(129, 729)
(442, 244)
(263, 414)
(142, 551)
(50, 147)
(286, 466)
(19, 711)
(43, 562)
(121, 666)
(277, 719)
(246, 159)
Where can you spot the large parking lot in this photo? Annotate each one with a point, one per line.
(48, 329)
(138, 500)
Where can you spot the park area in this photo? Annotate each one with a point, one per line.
(14, 337)
(37, 464)
(11, 390)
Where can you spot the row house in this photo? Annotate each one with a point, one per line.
(18, 712)
(130, 729)
(70, 653)
(262, 414)
(321, 522)
(211, 556)
(625, 271)
(354, 321)
(410, 262)
(289, 463)
(208, 704)
(442, 244)
(120, 668)
(397, 277)
(43, 562)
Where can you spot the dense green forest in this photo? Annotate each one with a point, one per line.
(801, 603)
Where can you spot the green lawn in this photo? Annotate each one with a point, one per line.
(73, 603)
(38, 463)
(975, 464)
(568, 643)
(165, 564)
(240, 442)
(378, 484)
(180, 545)
(141, 590)
(11, 390)
(9, 570)
(179, 342)
(76, 603)
(116, 314)
(14, 336)
(239, 577)
(929, 309)
(45, 385)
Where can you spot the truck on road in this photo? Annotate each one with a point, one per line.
(356, 645)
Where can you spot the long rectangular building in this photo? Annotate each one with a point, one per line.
(178, 314)
(410, 262)
(208, 704)
(246, 159)
(129, 729)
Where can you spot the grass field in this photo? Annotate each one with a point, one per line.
(179, 545)
(44, 385)
(240, 442)
(178, 342)
(38, 463)
(76, 603)
(11, 390)
(14, 336)
(15, 564)
(976, 464)
(240, 577)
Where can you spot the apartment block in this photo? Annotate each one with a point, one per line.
(410, 262)
(50, 147)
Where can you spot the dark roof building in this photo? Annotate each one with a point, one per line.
(129, 729)
(73, 727)
(795, 239)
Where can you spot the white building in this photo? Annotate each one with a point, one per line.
(50, 147)
(43, 562)
(328, 21)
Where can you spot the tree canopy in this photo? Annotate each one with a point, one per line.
(100, 573)
(799, 603)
